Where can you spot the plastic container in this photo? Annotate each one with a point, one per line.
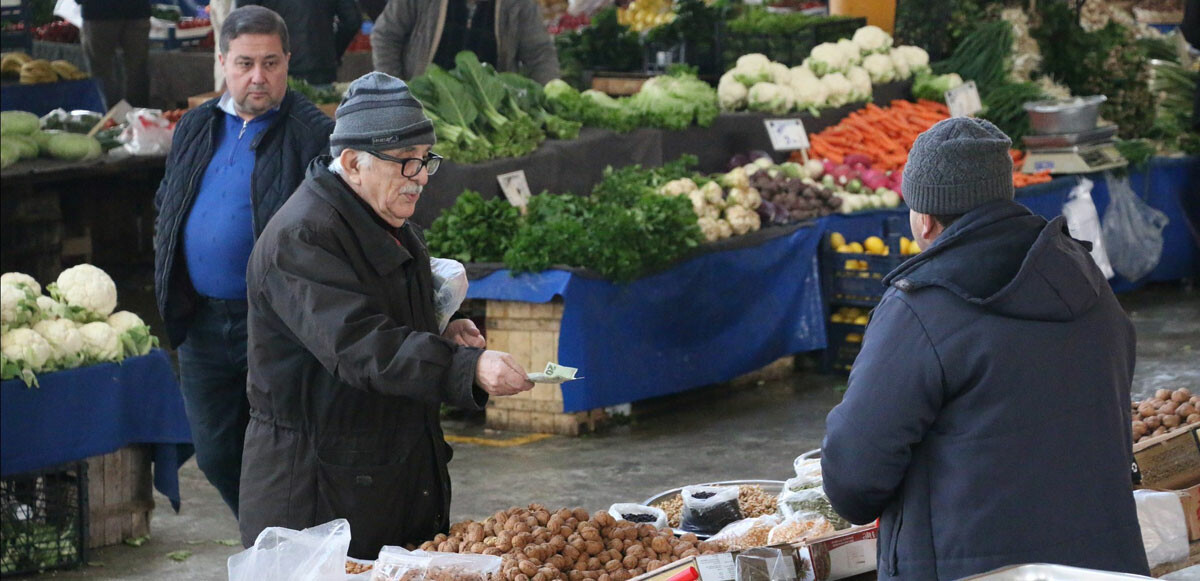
(44, 520)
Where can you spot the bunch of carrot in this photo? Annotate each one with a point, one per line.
(1022, 179)
(884, 134)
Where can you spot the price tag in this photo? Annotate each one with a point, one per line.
(515, 187)
(717, 567)
(787, 134)
(963, 100)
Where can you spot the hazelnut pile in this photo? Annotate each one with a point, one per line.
(753, 500)
(354, 568)
(1164, 412)
(536, 544)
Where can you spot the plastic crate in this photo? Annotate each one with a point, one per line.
(43, 521)
(843, 344)
(836, 29)
(859, 286)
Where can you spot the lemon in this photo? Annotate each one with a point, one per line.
(837, 318)
(874, 245)
(855, 247)
(836, 240)
(844, 249)
(862, 320)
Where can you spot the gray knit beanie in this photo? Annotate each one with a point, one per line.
(379, 113)
(957, 165)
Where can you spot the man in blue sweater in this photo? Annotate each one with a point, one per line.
(233, 163)
(987, 420)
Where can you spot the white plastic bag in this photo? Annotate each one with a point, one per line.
(707, 509)
(619, 510)
(449, 288)
(765, 564)
(398, 564)
(1164, 526)
(148, 133)
(69, 10)
(1084, 223)
(810, 500)
(807, 467)
(279, 554)
(746, 533)
(801, 526)
(1132, 231)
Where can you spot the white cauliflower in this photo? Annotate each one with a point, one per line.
(748, 198)
(25, 354)
(770, 98)
(900, 65)
(915, 57)
(713, 212)
(860, 84)
(872, 39)
(854, 56)
(838, 88)
(752, 69)
(713, 194)
(49, 308)
(736, 178)
(698, 203)
(742, 220)
(827, 58)
(101, 343)
(880, 67)
(808, 94)
(64, 339)
(672, 188)
(135, 334)
(780, 73)
(724, 228)
(88, 292)
(708, 227)
(800, 76)
(21, 279)
(731, 93)
(16, 305)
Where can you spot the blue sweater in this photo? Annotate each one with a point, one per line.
(219, 232)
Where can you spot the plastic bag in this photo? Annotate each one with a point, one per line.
(449, 288)
(397, 564)
(707, 509)
(1132, 231)
(313, 554)
(810, 500)
(807, 467)
(801, 526)
(765, 564)
(69, 10)
(148, 133)
(1084, 223)
(1164, 526)
(579, 7)
(641, 514)
(746, 533)
(802, 483)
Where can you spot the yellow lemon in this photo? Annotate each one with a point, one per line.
(837, 318)
(836, 240)
(861, 320)
(844, 249)
(874, 245)
(855, 247)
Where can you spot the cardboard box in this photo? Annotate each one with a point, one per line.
(1170, 461)
(843, 554)
(1190, 498)
(666, 572)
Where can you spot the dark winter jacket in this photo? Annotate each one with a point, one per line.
(347, 375)
(987, 420)
(114, 9)
(282, 152)
(316, 47)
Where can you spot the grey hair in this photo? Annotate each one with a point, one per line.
(253, 20)
(362, 158)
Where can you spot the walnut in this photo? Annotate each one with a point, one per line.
(630, 562)
(616, 545)
(594, 547)
(621, 575)
(605, 577)
(566, 530)
(660, 545)
(654, 565)
(575, 576)
(528, 568)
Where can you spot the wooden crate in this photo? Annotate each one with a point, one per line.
(1170, 460)
(120, 496)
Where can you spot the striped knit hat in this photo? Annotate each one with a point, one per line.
(379, 113)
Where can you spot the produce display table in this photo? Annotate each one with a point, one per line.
(26, 173)
(95, 410)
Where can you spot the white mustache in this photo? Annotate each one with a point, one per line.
(411, 189)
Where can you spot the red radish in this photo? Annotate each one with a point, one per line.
(857, 158)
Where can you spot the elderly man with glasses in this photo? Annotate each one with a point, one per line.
(348, 369)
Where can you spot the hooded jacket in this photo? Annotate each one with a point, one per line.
(987, 420)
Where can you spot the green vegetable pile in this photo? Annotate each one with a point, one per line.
(624, 230)
(29, 545)
(605, 45)
(672, 101)
(21, 138)
(1176, 89)
(314, 95)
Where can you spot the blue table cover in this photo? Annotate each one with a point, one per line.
(95, 410)
(43, 98)
(707, 320)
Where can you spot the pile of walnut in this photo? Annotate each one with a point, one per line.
(539, 545)
(1164, 412)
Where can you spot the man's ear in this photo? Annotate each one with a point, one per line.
(929, 227)
(350, 165)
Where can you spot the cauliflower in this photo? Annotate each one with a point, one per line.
(747, 198)
(708, 227)
(872, 39)
(899, 65)
(64, 339)
(770, 98)
(780, 73)
(860, 84)
(879, 66)
(800, 76)
(713, 212)
(826, 58)
(672, 188)
(713, 194)
(752, 69)
(101, 343)
(838, 88)
(731, 93)
(17, 305)
(49, 308)
(851, 52)
(809, 94)
(88, 293)
(914, 56)
(724, 228)
(698, 203)
(25, 354)
(737, 178)
(742, 220)
(21, 279)
(135, 334)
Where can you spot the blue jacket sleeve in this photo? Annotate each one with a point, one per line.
(895, 392)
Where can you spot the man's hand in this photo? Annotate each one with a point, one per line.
(499, 374)
(465, 333)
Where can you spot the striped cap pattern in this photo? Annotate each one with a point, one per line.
(379, 113)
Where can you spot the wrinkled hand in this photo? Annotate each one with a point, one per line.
(499, 374)
(465, 333)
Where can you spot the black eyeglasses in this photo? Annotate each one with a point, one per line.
(411, 166)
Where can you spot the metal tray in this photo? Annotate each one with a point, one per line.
(769, 486)
(1044, 572)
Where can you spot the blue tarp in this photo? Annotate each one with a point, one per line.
(95, 410)
(43, 98)
(707, 320)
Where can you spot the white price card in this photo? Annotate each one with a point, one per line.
(787, 134)
(963, 100)
(718, 567)
(515, 187)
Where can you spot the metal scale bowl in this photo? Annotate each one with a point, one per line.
(1066, 139)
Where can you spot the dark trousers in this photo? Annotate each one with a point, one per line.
(212, 369)
(101, 39)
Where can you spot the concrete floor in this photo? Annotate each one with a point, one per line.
(751, 433)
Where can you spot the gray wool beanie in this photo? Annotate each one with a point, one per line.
(957, 165)
(379, 113)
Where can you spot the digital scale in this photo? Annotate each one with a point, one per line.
(1070, 153)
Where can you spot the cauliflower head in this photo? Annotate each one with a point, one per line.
(770, 98)
(872, 39)
(914, 56)
(899, 65)
(747, 198)
(838, 89)
(724, 228)
(880, 68)
(26, 353)
(752, 69)
(742, 220)
(780, 73)
(17, 305)
(736, 178)
(731, 93)
(713, 194)
(708, 227)
(672, 188)
(101, 342)
(64, 339)
(21, 279)
(827, 58)
(860, 84)
(135, 334)
(87, 291)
